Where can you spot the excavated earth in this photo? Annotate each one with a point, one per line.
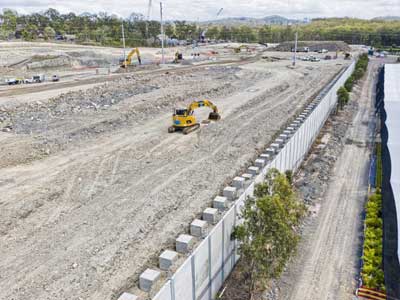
(93, 187)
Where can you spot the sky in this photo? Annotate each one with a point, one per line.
(208, 9)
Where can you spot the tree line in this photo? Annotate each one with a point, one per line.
(105, 29)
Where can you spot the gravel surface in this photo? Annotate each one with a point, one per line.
(92, 190)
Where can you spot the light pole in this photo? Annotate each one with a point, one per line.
(162, 34)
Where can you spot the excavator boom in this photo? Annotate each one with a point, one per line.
(128, 59)
(184, 119)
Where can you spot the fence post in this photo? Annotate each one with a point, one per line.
(193, 278)
(172, 288)
(209, 269)
(223, 251)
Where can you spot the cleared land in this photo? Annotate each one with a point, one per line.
(93, 187)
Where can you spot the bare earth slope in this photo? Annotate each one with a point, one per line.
(114, 188)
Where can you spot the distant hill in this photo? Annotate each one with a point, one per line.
(387, 18)
(269, 20)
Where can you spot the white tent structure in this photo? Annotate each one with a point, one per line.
(392, 108)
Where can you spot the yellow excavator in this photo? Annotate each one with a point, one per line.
(125, 63)
(183, 118)
(239, 49)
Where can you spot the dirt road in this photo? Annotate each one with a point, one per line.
(83, 219)
(328, 259)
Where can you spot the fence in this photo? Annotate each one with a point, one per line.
(205, 270)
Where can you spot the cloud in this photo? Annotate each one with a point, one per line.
(207, 9)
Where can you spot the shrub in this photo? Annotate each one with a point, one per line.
(343, 97)
(372, 273)
(349, 83)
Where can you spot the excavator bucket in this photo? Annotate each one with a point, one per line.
(214, 116)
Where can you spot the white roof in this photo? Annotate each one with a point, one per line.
(392, 108)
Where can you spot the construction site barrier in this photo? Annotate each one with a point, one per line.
(372, 294)
(203, 273)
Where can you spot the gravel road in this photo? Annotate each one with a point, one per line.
(327, 263)
(91, 193)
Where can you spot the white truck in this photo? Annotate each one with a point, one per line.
(36, 79)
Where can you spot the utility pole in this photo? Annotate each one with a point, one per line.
(162, 34)
(148, 19)
(295, 50)
(123, 41)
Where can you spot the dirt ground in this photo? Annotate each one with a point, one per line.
(327, 263)
(93, 187)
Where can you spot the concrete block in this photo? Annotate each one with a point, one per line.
(198, 228)
(283, 136)
(229, 192)
(287, 132)
(247, 176)
(253, 170)
(270, 151)
(221, 203)
(127, 296)
(280, 141)
(148, 278)
(260, 163)
(167, 259)
(296, 123)
(275, 146)
(184, 243)
(265, 157)
(238, 182)
(210, 215)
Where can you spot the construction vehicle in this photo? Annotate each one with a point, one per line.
(128, 61)
(13, 81)
(183, 118)
(239, 49)
(36, 79)
(178, 57)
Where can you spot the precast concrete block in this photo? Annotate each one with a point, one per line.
(184, 243)
(275, 146)
(260, 163)
(280, 141)
(229, 192)
(127, 296)
(148, 278)
(296, 123)
(283, 136)
(265, 157)
(198, 228)
(167, 259)
(220, 203)
(210, 215)
(238, 182)
(287, 133)
(253, 170)
(248, 177)
(270, 151)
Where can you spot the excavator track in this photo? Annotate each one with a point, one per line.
(190, 129)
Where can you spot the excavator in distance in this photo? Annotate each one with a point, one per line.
(125, 63)
(183, 118)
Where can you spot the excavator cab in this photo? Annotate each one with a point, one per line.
(184, 119)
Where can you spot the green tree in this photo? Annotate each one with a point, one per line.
(343, 97)
(49, 33)
(267, 235)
